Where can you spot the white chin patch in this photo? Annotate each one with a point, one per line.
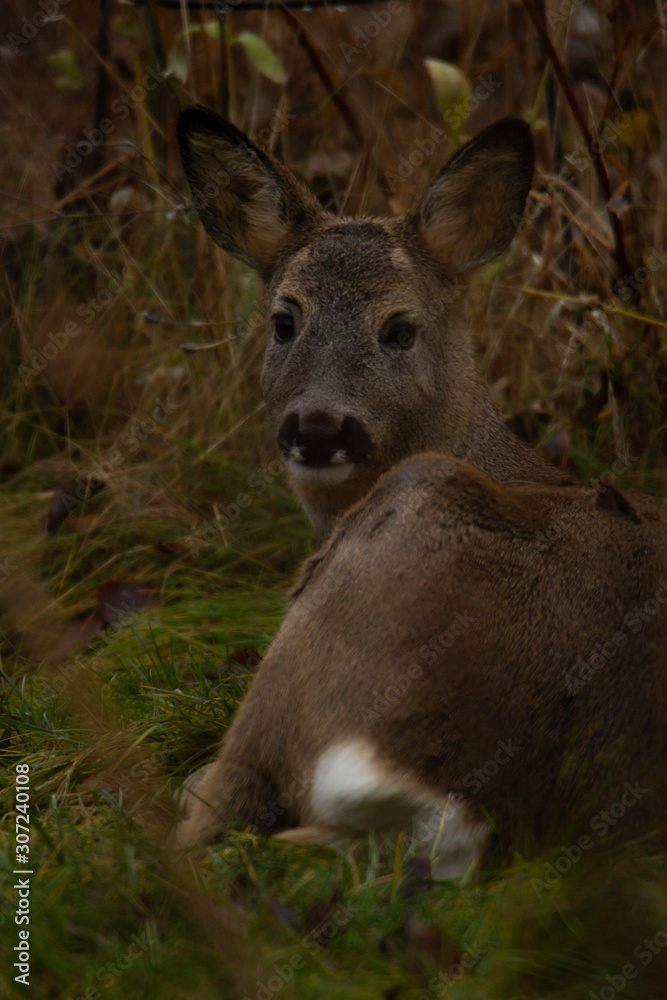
(325, 475)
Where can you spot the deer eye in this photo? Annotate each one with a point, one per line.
(283, 327)
(399, 337)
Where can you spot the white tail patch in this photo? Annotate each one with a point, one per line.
(356, 790)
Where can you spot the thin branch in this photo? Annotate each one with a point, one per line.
(621, 255)
(346, 112)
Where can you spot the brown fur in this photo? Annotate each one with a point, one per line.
(437, 537)
(541, 569)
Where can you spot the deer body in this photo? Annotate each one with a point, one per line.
(438, 635)
(369, 709)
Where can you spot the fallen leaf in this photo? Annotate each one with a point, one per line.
(318, 916)
(86, 522)
(67, 497)
(171, 549)
(246, 657)
(117, 599)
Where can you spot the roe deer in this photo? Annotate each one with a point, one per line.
(479, 641)
(368, 360)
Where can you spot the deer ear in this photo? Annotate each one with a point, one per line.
(471, 210)
(249, 203)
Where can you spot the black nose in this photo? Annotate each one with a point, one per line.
(315, 437)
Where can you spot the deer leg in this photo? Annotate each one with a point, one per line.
(217, 797)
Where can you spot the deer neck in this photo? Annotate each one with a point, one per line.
(492, 448)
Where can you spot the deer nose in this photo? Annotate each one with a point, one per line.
(318, 438)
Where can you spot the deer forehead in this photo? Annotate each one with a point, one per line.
(360, 266)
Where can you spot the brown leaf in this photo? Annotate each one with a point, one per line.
(67, 497)
(317, 917)
(117, 599)
(246, 657)
(214, 675)
(171, 549)
(428, 946)
(86, 522)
